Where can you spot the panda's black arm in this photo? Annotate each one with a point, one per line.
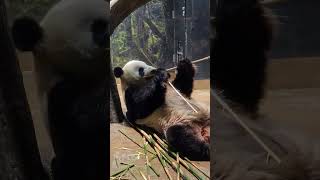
(184, 78)
(143, 100)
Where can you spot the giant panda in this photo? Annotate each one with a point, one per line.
(151, 102)
(70, 66)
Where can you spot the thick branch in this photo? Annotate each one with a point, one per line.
(154, 29)
(120, 9)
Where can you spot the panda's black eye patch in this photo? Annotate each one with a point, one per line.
(141, 71)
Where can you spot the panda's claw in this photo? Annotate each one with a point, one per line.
(184, 78)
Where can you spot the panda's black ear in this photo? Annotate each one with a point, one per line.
(26, 33)
(118, 72)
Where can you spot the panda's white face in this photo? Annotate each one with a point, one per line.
(136, 72)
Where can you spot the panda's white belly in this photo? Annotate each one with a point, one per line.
(155, 120)
(174, 111)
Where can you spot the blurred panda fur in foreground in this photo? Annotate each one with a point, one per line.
(244, 31)
(70, 67)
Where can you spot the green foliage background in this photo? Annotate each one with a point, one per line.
(120, 40)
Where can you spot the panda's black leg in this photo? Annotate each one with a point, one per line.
(188, 141)
(184, 77)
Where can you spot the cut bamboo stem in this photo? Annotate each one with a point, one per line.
(182, 161)
(135, 142)
(178, 171)
(185, 165)
(122, 171)
(163, 165)
(182, 97)
(193, 62)
(146, 157)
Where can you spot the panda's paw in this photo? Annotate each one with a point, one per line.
(186, 68)
(162, 75)
(184, 77)
(185, 61)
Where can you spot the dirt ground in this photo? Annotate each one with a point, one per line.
(293, 96)
(294, 108)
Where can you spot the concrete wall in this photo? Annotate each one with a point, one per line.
(298, 30)
(290, 73)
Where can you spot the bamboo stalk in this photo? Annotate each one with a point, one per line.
(163, 165)
(182, 161)
(165, 155)
(146, 157)
(161, 149)
(182, 97)
(116, 159)
(193, 62)
(174, 166)
(190, 162)
(132, 174)
(156, 155)
(154, 170)
(135, 142)
(152, 158)
(122, 170)
(152, 142)
(143, 176)
(178, 171)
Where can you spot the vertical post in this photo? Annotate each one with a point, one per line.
(185, 30)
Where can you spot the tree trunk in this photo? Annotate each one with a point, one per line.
(120, 9)
(19, 155)
(142, 35)
(137, 52)
(116, 113)
(154, 29)
(167, 49)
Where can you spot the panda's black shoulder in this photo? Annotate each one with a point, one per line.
(143, 100)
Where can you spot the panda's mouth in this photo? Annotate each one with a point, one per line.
(150, 74)
(147, 77)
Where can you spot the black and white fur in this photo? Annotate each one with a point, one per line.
(153, 103)
(70, 67)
